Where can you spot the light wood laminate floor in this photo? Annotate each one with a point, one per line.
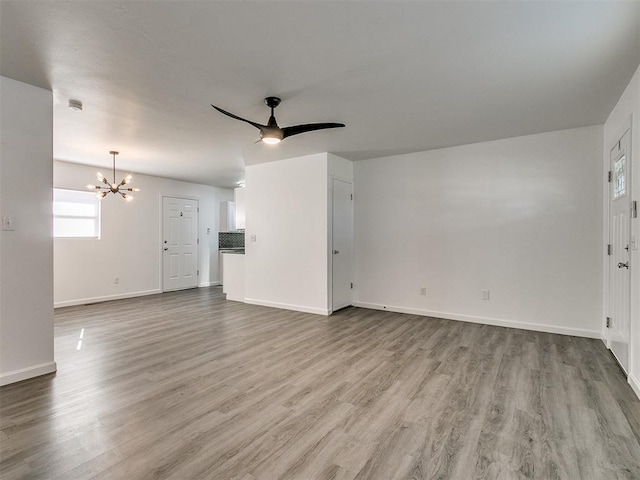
(186, 385)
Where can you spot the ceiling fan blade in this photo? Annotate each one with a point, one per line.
(229, 114)
(309, 127)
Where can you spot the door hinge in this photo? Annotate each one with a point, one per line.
(609, 249)
(351, 284)
(634, 209)
(198, 209)
(352, 196)
(610, 176)
(608, 322)
(198, 273)
(198, 241)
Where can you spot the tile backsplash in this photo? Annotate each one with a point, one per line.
(230, 240)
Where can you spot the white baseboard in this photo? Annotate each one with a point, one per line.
(537, 327)
(635, 385)
(106, 298)
(286, 306)
(120, 296)
(235, 299)
(27, 373)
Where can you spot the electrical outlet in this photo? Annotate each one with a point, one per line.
(116, 281)
(7, 224)
(423, 290)
(486, 295)
(252, 238)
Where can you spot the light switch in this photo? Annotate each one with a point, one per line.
(252, 238)
(8, 223)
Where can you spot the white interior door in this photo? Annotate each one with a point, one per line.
(341, 244)
(179, 243)
(618, 330)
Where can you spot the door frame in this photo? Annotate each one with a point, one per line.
(161, 196)
(330, 237)
(606, 304)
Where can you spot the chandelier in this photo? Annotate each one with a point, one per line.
(114, 187)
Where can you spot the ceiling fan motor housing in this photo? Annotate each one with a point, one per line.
(272, 102)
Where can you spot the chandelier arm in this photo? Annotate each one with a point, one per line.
(107, 187)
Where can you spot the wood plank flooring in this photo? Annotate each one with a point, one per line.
(187, 385)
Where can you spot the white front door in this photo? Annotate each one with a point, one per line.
(179, 243)
(341, 244)
(618, 330)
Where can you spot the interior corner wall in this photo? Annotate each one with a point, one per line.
(339, 167)
(628, 107)
(130, 246)
(26, 250)
(520, 218)
(286, 214)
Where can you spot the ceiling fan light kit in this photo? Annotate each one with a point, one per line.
(271, 133)
(114, 187)
(270, 140)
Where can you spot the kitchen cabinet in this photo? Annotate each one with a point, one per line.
(233, 276)
(227, 217)
(239, 197)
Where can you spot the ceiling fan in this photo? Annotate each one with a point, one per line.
(271, 133)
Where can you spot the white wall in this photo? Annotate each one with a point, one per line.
(286, 210)
(26, 253)
(130, 243)
(629, 105)
(520, 217)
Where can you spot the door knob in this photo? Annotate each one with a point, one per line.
(625, 265)
(336, 252)
(166, 248)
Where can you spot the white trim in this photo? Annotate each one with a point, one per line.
(106, 298)
(122, 296)
(27, 373)
(286, 306)
(635, 385)
(605, 240)
(537, 327)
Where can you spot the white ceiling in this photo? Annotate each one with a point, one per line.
(403, 76)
